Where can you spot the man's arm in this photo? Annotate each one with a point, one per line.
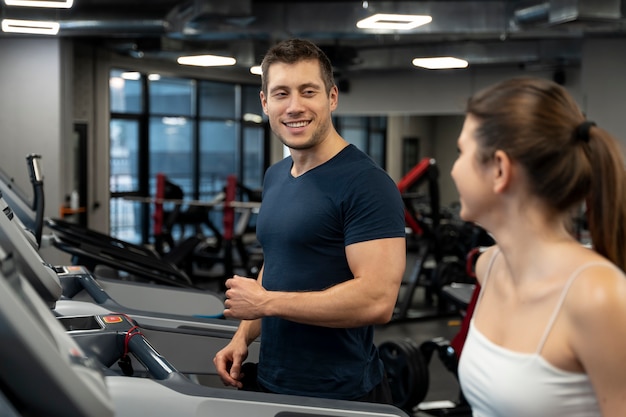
(378, 268)
(229, 359)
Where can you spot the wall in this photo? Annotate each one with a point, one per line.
(425, 92)
(34, 115)
(604, 84)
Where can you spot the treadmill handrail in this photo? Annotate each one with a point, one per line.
(161, 272)
(30, 213)
(100, 248)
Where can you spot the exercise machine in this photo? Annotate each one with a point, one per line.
(179, 265)
(441, 243)
(227, 248)
(185, 301)
(62, 366)
(195, 321)
(42, 370)
(29, 211)
(407, 362)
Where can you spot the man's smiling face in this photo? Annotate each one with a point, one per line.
(297, 104)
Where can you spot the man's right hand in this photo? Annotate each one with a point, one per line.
(228, 363)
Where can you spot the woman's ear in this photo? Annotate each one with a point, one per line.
(502, 170)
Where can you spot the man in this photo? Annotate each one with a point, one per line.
(332, 229)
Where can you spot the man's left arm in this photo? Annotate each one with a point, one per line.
(378, 268)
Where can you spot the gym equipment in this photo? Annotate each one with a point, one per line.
(164, 221)
(91, 249)
(406, 364)
(30, 213)
(175, 267)
(72, 376)
(42, 370)
(441, 243)
(422, 222)
(406, 371)
(146, 300)
(221, 246)
(179, 316)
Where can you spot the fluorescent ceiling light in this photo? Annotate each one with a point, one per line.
(393, 21)
(206, 60)
(116, 83)
(444, 62)
(131, 75)
(64, 4)
(174, 121)
(256, 70)
(30, 26)
(251, 117)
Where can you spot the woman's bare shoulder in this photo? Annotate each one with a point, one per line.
(598, 290)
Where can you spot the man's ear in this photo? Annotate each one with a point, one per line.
(263, 102)
(502, 171)
(334, 98)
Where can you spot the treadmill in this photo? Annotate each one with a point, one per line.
(43, 371)
(74, 291)
(135, 258)
(158, 297)
(30, 212)
(171, 316)
(60, 366)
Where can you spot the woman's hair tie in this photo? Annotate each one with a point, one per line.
(582, 131)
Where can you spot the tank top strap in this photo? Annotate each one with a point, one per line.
(561, 300)
(487, 273)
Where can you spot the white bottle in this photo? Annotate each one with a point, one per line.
(74, 200)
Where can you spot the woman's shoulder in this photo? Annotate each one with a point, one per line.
(597, 289)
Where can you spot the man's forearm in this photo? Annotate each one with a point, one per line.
(248, 331)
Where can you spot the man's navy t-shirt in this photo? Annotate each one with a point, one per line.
(304, 225)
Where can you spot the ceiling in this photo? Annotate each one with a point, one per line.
(528, 33)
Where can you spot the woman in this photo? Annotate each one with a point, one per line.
(548, 335)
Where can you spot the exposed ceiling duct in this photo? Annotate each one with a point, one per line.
(584, 12)
(484, 32)
(198, 16)
(564, 11)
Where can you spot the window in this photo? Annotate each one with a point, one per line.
(125, 92)
(369, 134)
(195, 132)
(126, 101)
(123, 178)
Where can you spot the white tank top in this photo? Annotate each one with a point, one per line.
(498, 382)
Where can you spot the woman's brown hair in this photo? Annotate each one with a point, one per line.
(567, 159)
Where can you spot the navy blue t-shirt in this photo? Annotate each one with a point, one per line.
(304, 225)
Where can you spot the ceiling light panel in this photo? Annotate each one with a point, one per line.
(206, 60)
(444, 62)
(30, 26)
(256, 70)
(393, 21)
(61, 4)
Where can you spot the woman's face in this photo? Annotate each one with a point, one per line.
(472, 183)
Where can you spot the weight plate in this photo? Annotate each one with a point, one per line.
(406, 371)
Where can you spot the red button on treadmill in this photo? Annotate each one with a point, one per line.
(112, 319)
